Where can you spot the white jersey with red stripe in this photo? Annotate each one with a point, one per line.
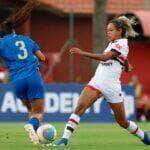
(121, 46)
(107, 75)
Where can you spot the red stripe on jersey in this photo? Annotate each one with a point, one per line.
(122, 59)
(134, 132)
(74, 121)
(93, 88)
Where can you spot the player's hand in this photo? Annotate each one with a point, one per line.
(76, 50)
(129, 68)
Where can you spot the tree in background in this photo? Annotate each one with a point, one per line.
(99, 27)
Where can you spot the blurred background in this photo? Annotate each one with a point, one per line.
(59, 24)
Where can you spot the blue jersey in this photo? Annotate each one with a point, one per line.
(18, 53)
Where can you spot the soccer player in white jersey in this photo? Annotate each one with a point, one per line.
(106, 80)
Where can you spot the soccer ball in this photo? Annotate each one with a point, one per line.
(47, 133)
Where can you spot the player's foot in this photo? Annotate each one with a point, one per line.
(32, 134)
(146, 139)
(62, 142)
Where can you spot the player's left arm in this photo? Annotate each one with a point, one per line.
(40, 55)
(127, 66)
(101, 57)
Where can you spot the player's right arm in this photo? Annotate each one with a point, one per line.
(101, 57)
(40, 55)
(36, 51)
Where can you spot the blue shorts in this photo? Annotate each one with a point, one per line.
(30, 88)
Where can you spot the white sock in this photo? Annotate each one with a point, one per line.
(71, 125)
(133, 129)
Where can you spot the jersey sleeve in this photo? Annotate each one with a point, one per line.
(121, 47)
(35, 46)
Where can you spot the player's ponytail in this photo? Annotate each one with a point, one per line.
(126, 25)
(18, 17)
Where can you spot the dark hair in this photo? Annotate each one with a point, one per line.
(2, 34)
(125, 24)
(7, 28)
(18, 16)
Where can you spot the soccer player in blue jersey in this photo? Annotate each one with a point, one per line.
(21, 55)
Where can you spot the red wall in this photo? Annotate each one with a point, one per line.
(139, 57)
(52, 32)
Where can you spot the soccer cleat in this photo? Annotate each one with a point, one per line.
(62, 142)
(146, 139)
(32, 134)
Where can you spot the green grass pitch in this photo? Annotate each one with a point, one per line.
(86, 137)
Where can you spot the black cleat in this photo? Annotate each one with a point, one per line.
(146, 139)
(62, 142)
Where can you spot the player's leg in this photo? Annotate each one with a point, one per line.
(20, 91)
(37, 107)
(36, 116)
(30, 126)
(36, 96)
(86, 99)
(27, 104)
(120, 117)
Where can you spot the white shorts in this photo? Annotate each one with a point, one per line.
(106, 80)
(111, 91)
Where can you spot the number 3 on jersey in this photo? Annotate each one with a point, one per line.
(22, 47)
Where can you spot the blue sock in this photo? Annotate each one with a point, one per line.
(35, 122)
